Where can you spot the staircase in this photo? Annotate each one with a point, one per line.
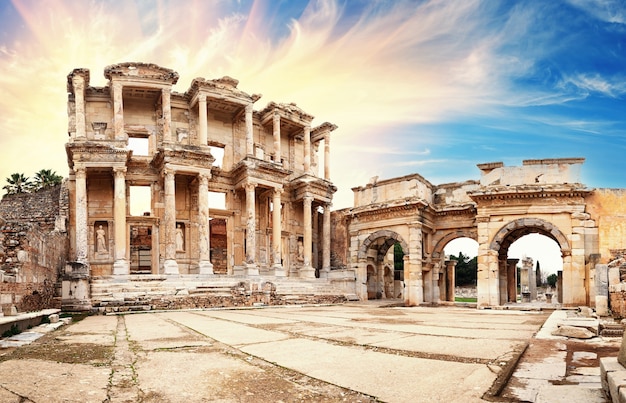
(151, 292)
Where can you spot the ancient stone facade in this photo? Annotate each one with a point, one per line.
(541, 196)
(275, 216)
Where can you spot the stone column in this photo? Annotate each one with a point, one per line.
(277, 243)
(450, 280)
(82, 245)
(276, 127)
(202, 114)
(326, 242)
(435, 279)
(78, 82)
(511, 276)
(251, 267)
(307, 149)
(121, 266)
(249, 132)
(167, 115)
(169, 223)
(307, 270)
(118, 112)
(327, 157)
(414, 282)
(206, 267)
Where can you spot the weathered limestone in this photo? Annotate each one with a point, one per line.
(542, 196)
(119, 216)
(162, 146)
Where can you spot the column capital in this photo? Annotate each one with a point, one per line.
(201, 97)
(120, 170)
(249, 108)
(204, 179)
(249, 186)
(80, 172)
(278, 191)
(308, 198)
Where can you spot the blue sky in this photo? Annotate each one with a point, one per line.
(433, 87)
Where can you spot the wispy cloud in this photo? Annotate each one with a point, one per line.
(613, 11)
(608, 86)
(385, 66)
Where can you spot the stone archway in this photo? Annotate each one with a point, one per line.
(378, 277)
(506, 274)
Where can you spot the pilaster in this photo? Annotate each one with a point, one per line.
(276, 133)
(167, 115)
(78, 82)
(202, 115)
(249, 131)
(118, 111)
(307, 149)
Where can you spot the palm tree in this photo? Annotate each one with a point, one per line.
(17, 183)
(46, 178)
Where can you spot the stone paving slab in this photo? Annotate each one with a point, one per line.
(398, 378)
(232, 334)
(45, 381)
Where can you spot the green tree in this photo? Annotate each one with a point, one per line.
(46, 178)
(466, 272)
(552, 280)
(17, 183)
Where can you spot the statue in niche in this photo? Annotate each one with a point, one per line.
(101, 241)
(180, 239)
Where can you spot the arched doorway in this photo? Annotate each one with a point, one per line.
(538, 259)
(507, 268)
(382, 257)
(461, 256)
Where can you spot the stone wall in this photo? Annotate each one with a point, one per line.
(41, 207)
(33, 248)
(30, 263)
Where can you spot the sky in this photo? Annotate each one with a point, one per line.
(433, 87)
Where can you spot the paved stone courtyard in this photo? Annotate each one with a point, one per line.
(360, 352)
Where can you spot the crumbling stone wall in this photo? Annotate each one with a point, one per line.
(33, 248)
(30, 263)
(41, 207)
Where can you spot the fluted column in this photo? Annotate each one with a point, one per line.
(307, 149)
(276, 132)
(206, 267)
(78, 82)
(277, 243)
(249, 133)
(307, 270)
(167, 115)
(326, 242)
(81, 215)
(120, 266)
(327, 157)
(251, 267)
(202, 114)
(169, 223)
(118, 112)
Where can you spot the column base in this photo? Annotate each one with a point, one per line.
(279, 271)
(307, 272)
(251, 269)
(325, 273)
(121, 267)
(206, 267)
(170, 267)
